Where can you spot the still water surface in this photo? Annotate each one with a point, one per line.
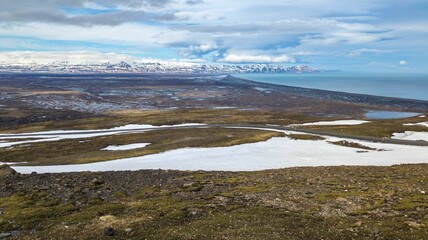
(412, 86)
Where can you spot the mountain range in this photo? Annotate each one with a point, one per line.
(150, 67)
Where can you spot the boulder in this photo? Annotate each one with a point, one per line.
(108, 231)
(5, 235)
(6, 170)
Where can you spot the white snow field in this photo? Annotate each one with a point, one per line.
(49, 136)
(424, 124)
(126, 147)
(272, 154)
(337, 122)
(410, 135)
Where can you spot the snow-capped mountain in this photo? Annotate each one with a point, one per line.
(150, 67)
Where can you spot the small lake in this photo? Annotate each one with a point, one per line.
(389, 115)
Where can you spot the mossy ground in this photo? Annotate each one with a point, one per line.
(375, 128)
(378, 128)
(297, 203)
(168, 118)
(305, 137)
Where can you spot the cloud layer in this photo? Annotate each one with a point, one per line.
(81, 12)
(325, 33)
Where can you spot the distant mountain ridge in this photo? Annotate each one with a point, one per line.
(151, 67)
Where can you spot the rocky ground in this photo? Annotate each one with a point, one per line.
(295, 203)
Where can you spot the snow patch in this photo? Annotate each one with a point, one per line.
(126, 147)
(53, 138)
(57, 135)
(337, 122)
(262, 89)
(133, 126)
(11, 163)
(424, 124)
(410, 135)
(223, 107)
(272, 154)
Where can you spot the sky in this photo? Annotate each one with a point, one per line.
(359, 35)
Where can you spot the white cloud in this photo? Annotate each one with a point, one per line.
(28, 57)
(209, 51)
(361, 51)
(201, 48)
(243, 58)
(402, 62)
(414, 26)
(58, 12)
(75, 57)
(125, 34)
(94, 6)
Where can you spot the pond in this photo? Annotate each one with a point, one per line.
(389, 114)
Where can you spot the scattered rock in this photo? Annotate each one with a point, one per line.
(414, 224)
(108, 231)
(223, 197)
(96, 182)
(43, 188)
(221, 201)
(376, 232)
(107, 218)
(5, 235)
(6, 170)
(192, 211)
(188, 184)
(341, 199)
(419, 209)
(358, 224)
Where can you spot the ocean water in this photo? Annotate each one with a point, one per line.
(411, 86)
